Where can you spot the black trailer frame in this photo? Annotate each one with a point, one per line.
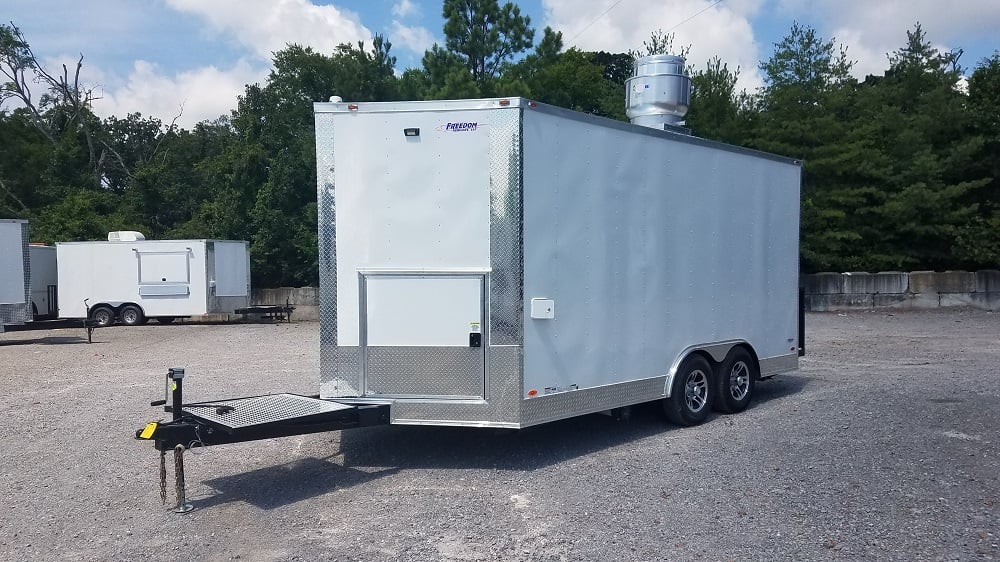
(57, 324)
(237, 420)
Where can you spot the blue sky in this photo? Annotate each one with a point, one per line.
(193, 57)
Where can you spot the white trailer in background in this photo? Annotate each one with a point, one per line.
(15, 273)
(130, 279)
(44, 281)
(23, 269)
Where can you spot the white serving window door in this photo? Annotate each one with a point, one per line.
(164, 273)
(423, 334)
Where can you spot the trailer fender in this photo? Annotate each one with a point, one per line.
(714, 352)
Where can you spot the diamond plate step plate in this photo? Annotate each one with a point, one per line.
(261, 410)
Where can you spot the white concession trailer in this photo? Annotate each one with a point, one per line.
(15, 273)
(506, 263)
(132, 279)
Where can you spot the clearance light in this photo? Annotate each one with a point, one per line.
(532, 392)
(352, 106)
(532, 104)
(504, 103)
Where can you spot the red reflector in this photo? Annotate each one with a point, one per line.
(504, 102)
(532, 392)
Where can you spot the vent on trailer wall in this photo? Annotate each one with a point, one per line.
(659, 93)
(125, 236)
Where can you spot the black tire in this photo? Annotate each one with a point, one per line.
(735, 383)
(691, 393)
(166, 319)
(131, 315)
(102, 315)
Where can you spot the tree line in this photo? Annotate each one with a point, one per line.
(901, 170)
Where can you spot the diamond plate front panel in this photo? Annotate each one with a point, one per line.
(575, 403)
(19, 313)
(14, 313)
(502, 408)
(506, 290)
(340, 370)
(258, 410)
(425, 371)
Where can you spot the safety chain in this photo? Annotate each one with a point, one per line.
(163, 477)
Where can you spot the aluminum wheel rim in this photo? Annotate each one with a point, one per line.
(696, 390)
(739, 381)
(103, 318)
(130, 316)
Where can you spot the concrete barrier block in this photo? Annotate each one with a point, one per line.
(295, 296)
(306, 296)
(908, 301)
(892, 300)
(890, 282)
(824, 283)
(858, 282)
(988, 281)
(983, 301)
(830, 303)
(306, 313)
(942, 282)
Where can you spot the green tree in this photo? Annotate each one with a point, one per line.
(617, 66)
(982, 237)
(926, 208)
(486, 36)
(575, 82)
(61, 112)
(806, 111)
(717, 110)
(24, 156)
(659, 43)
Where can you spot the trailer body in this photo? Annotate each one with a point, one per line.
(44, 281)
(15, 273)
(165, 279)
(506, 263)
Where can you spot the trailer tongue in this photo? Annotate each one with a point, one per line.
(237, 420)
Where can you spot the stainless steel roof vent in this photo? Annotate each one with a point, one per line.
(659, 93)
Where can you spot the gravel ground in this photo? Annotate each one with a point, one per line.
(883, 446)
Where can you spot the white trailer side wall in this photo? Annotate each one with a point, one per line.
(231, 269)
(648, 245)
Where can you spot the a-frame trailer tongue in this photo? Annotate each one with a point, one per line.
(236, 420)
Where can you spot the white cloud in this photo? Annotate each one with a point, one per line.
(405, 8)
(416, 39)
(266, 26)
(720, 29)
(872, 30)
(203, 93)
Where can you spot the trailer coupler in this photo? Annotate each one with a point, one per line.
(239, 420)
